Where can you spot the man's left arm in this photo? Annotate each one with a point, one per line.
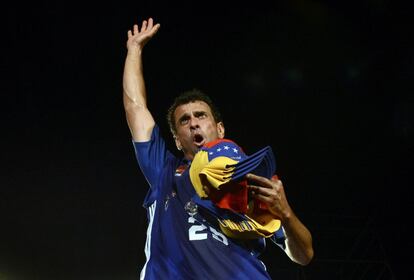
(298, 238)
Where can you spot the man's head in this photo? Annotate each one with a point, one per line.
(194, 120)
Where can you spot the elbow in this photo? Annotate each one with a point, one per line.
(300, 252)
(302, 256)
(307, 257)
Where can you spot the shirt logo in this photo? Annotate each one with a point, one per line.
(180, 170)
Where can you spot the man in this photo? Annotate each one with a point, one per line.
(179, 244)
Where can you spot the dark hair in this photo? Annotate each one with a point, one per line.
(188, 97)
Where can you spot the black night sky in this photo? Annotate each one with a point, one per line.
(328, 86)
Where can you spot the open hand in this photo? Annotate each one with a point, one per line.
(138, 38)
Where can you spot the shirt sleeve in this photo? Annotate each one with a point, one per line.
(279, 238)
(152, 157)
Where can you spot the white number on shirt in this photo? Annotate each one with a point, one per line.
(219, 236)
(195, 231)
(200, 232)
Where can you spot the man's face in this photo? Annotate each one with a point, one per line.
(195, 126)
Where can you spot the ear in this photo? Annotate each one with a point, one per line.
(220, 130)
(177, 143)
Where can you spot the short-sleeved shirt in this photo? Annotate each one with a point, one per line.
(181, 244)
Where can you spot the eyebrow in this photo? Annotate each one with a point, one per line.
(196, 113)
(183, 117)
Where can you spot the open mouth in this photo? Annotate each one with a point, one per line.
(198, 140)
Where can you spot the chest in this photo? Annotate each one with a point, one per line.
(178, 217)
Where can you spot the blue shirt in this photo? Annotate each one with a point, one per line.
(181, 244)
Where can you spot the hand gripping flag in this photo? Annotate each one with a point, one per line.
(217, 173)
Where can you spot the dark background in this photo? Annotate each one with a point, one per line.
(329, 86)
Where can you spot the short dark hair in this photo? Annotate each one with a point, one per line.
(188, 97)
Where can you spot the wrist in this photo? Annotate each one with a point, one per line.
(134, 52)
(287, 215)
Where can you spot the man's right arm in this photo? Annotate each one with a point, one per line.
(139, 118)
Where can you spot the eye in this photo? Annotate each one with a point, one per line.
(201, 115)
(184, 121)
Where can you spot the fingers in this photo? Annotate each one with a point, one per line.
(262, 181)
(155, 28)
(256, 190)
(265, 187)
(151, 27)
(266, 195)
(147, 26)
(264, 198)
(150, 23)
(144, 26)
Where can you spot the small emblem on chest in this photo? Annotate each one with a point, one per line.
(180, 170)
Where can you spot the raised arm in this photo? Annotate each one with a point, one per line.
(298, 238)
(139, 118)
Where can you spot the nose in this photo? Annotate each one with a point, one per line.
(194, 122)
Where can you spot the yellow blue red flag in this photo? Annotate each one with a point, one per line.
(217, 173)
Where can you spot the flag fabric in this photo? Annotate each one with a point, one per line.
(217, 173)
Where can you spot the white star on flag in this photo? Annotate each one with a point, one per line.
(226, 147)
(235, 150)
